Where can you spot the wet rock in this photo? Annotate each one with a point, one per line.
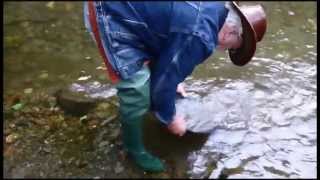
(37, 109)
(108, 120)
(103, 106)
(93, 124)
(103, 110)
(75, 103)
(103, 144)
(81, 164)
(64, 125)
(41, 174)
(12, 138)
(44, 75)
(81, 137)
(101, 135)
(12, 125)
(115, 102)
(60, 163)
(119, 168)
(107, 150)
(52, 101)
(84, 78)
(38, 121)
(28, 91)
(51, 5)
(115, 133)
(101, 114)
(44, 150)
(71, 160)
(47, 128)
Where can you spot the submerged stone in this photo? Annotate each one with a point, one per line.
(76, 103)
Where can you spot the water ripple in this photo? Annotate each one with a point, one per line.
(264, 129)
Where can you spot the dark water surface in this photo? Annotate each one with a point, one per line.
(261, 117)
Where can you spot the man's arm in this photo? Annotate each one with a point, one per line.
(178, 59)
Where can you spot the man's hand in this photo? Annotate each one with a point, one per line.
(181, 91)
(178, 126)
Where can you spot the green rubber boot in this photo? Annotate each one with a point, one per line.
(134, 99)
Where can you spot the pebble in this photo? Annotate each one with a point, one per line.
(103, 143)
(11, 138)
(78, 162)
(104, 106)
(43, 76)
(115, 133)
(100, 114)
(119, 168)
(28, 91)
(108, 120)
(46, 127)
(71, 160)
(81, 137)
(107, 151)
(37, 109)
(92, 127)
(64, 125)
(291, 13)
(83, 78)
(45, 149)
(50, 5)
(12, 125)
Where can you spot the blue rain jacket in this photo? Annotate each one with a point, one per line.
(176, 36)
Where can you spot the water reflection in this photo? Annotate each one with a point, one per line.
(275, 117)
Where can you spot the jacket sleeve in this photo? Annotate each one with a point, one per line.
(181, 55)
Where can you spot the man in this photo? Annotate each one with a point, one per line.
(149, 48)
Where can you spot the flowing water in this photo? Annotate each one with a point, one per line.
(261, 117)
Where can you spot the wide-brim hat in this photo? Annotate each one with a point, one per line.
(254, 25)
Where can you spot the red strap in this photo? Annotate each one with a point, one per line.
(93, 22)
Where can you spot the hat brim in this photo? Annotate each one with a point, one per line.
(241, 56)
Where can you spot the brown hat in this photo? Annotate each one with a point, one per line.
(254, 25)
